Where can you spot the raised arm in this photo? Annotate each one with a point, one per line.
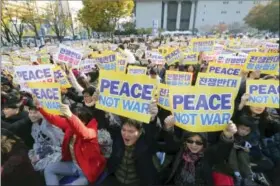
(79, 128)
(55, 119)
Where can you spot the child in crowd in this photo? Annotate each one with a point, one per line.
(47, 141)
(239, 157)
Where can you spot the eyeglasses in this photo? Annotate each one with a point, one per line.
(196, 142)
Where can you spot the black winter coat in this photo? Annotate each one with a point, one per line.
(144, 151)
(19, 125)
(212, 156)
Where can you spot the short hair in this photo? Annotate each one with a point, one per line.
(131, 122)
(90, 90)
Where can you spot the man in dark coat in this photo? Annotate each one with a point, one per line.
(16, 120)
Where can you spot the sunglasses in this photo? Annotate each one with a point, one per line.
(196, 142)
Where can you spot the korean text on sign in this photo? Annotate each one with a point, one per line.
(267, 63)
(69, 55)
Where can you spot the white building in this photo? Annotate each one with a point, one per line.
(188, 14)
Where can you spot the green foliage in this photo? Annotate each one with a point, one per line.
(264, 17)
(102, 16)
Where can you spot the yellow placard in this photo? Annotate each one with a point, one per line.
(267, 63)
(173, 55)
(121, 64)
(177, 78)
(163, 50)
(107, 60)
(48, 94)
(61, 78)
(190, 58)
(224, 69)
(136, 70)
(218, 80)
(263, 93)
(163, 96)
(202, 111)
(126, 95)
(202, 45)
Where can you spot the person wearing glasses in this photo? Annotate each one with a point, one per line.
(194, 160)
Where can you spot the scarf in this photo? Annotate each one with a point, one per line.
(91, 104)
(190, 159)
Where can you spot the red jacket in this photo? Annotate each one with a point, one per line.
(86, 147)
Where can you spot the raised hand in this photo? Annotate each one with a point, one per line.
(65, 110)
(230, 130)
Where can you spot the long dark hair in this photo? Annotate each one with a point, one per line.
(83, 114)
(262, 118)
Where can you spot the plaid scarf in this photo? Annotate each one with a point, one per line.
(189, 164)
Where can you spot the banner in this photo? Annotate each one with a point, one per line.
(87, 65)
(267, 63)
(176, 78)
(202, 111)
(48, 94)
(69, 55)
(270, 48)
(226, 69)
(190, 58)
(218, 48)
(29, 73)
(136, 70)
(61, 78)
(121, 64)
(172, 56)
(202, 45)
(107, 60)
(263, 93)
(218, 80)
(163, 96)
(155, 57)
(230, 59)
(126, 95)
(248, 50)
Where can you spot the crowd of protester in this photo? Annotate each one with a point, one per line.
(88, 146)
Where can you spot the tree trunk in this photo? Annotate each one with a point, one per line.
(7, 35)
(88, 32)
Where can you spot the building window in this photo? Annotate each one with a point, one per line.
(202, 20)
(240, 2)
(203, 12)
(225, 2)
(204, 6)
(238, 12)
(223, 12)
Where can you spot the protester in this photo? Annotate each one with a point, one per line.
(133, 149)
(81, 154)
(239, 158)
(47, 141)
(16, 120)
(16, 167)
(193, 162)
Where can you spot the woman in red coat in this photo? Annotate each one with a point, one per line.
(81, 155)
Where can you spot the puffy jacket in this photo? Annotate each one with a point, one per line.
(20, 125)
(86, 147)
